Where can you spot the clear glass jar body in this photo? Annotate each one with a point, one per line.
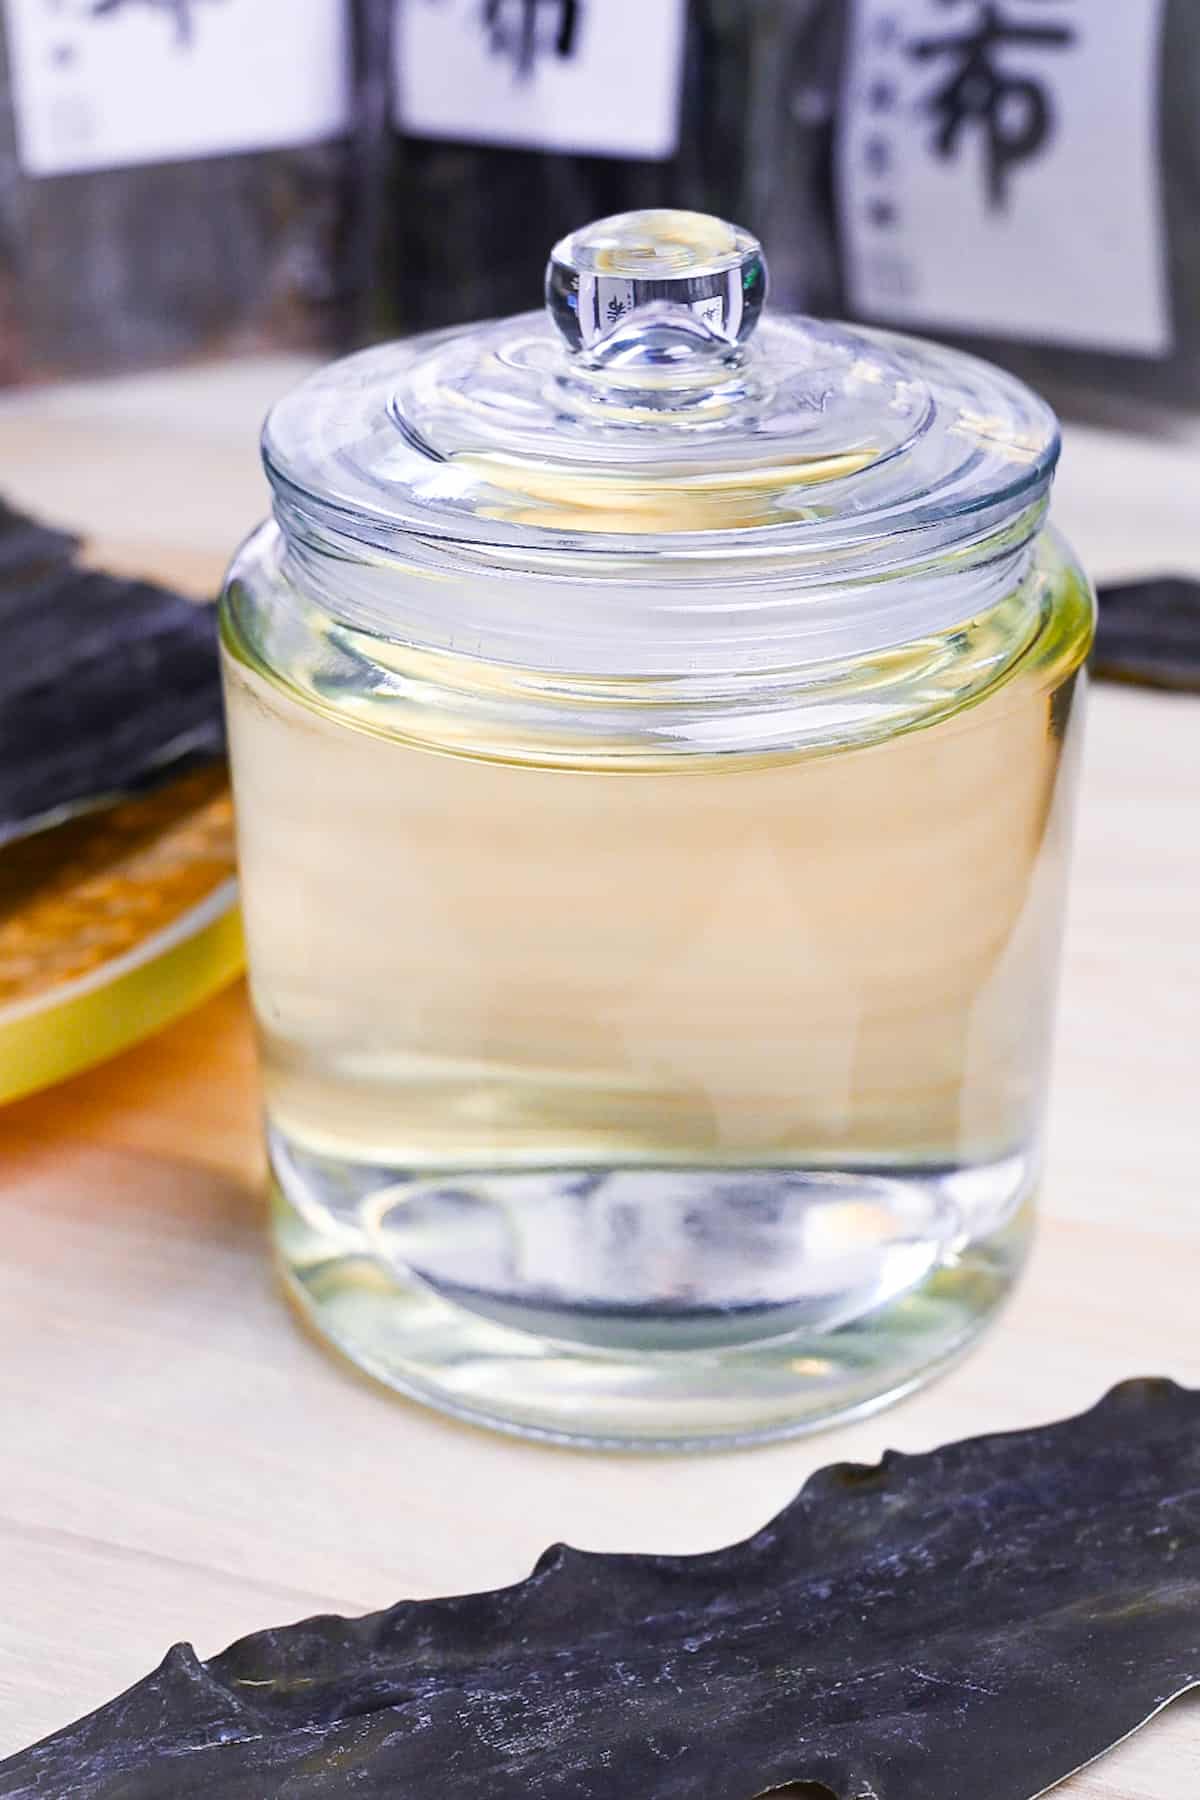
(645, 1062)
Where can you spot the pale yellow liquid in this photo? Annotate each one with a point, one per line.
(839, 961)
(459, 961)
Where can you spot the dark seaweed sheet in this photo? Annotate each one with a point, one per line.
(980, 1621)
(1149, 632)
(28, 548)
(106, 685)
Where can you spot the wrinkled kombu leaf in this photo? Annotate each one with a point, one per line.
(27, 547)
(1149, 632)
(106, 684)
(976, 1622)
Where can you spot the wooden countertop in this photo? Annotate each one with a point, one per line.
(182, 1461)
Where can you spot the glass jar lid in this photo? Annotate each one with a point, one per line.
(655, 405)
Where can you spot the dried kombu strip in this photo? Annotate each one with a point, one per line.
(1149, 632)
(980, 1621)
(28, 548)
(105, 684)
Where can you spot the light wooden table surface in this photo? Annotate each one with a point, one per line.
(182, 1461)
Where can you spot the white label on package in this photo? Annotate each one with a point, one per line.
(597, 77)
(101, 84)
(998, 169)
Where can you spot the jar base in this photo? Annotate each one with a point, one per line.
(405, 1333)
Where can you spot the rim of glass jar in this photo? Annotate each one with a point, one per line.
(577, 606)
(939, 513)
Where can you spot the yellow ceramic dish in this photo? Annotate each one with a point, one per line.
(111, 926)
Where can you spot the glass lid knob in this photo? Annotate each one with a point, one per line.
(656, 286)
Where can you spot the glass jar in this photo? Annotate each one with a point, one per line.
(653, 745)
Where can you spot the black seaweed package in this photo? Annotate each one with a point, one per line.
(511, 122)
(1018, 176)
(175, 180)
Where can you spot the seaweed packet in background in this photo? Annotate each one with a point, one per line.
(556, 110)
(140, 222)
(1023, 177)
